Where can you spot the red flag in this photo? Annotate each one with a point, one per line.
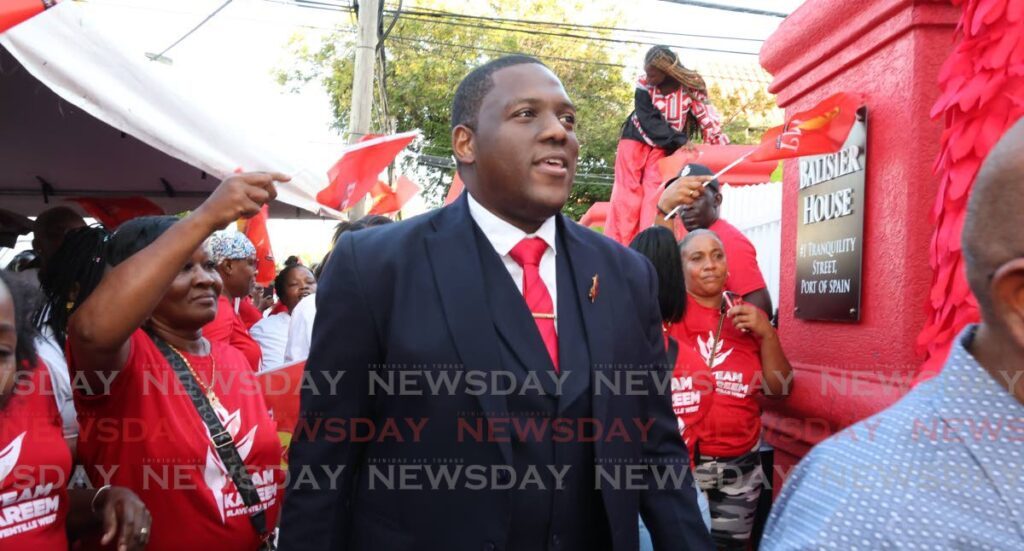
(455, 190)
(255, 229)
(281, 386)
(822, 129)
(114, 211)
(13, 12)
(354, 175)
(387, 201)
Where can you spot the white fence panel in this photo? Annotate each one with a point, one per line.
(756, 211)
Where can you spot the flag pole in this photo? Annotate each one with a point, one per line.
(727, 168)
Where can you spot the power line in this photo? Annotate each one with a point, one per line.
(160, 56)
(401, 38)
(441, 13)
(577, 36)
(433, 18)
(738, 9)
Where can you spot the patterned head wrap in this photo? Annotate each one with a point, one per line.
(229, 245)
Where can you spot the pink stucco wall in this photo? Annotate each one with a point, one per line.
(891, 51)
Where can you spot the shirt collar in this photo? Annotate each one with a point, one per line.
(502, 235)
(985, 416)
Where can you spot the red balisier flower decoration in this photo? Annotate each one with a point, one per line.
(982, 96)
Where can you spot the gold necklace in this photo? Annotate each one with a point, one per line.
(208, 390)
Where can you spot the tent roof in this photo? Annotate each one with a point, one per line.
(82, 118)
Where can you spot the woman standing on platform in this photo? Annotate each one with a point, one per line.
(671, 107)
(738, 344)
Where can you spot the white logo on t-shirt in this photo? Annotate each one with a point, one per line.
(706, 352)
(10, 454)
(215, 474)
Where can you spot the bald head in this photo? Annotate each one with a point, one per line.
(50, 227)
(992, 234)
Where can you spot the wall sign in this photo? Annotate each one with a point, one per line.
(830, 230)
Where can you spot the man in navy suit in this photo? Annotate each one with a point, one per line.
(490, 376)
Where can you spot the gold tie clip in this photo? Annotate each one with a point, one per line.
(543, 316)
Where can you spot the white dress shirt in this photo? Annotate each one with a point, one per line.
(504, 236)
(272, 334)
(300, 330)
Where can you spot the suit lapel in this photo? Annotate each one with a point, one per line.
(585, 263)
(455, 261)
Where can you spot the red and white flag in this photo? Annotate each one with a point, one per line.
(13, 12)
(387, 200)
(356, 172)
(255, 229)
(114, 211)
(819, 130)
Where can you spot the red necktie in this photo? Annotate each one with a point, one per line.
(527, 253)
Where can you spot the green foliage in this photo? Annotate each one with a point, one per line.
(427, 57)
(426, 60)
(745, 113)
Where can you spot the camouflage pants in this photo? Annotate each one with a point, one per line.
(733, 486)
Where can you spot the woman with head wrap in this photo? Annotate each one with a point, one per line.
(671, 107)
(235, 258)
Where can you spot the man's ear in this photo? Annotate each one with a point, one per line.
(463, 144)
(718, 199)
(226, 266)
(1008, 298)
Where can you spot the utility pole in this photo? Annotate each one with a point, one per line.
(362, 83)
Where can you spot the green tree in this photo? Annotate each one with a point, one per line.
(746, 112)
(428, 56)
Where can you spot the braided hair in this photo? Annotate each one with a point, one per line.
(667, 61)
(75, 270)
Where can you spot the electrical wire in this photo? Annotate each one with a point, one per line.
(432, 17)
(738, 9)
(534, 22)
(194, 29)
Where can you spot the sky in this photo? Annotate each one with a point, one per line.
(230, 62)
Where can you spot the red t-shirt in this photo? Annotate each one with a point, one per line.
(693, 386)
(146, 435)
(732, 426)
(744, 274)
(34, 467)
(249, 313)
(228, 328)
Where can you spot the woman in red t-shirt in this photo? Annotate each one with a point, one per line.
(138, 424)
(37, 511)
(692, 385)
(737, 343)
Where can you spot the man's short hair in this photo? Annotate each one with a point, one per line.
(990, 234)
(475, 86)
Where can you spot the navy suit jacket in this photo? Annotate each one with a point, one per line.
(411, 296)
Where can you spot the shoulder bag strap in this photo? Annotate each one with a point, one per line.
(222, 440)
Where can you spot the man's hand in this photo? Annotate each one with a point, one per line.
(682, 191)
(239, 196)
(122, 512)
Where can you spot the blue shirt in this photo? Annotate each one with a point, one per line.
(943, 468)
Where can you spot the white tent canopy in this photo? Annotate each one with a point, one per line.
(80, 117)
